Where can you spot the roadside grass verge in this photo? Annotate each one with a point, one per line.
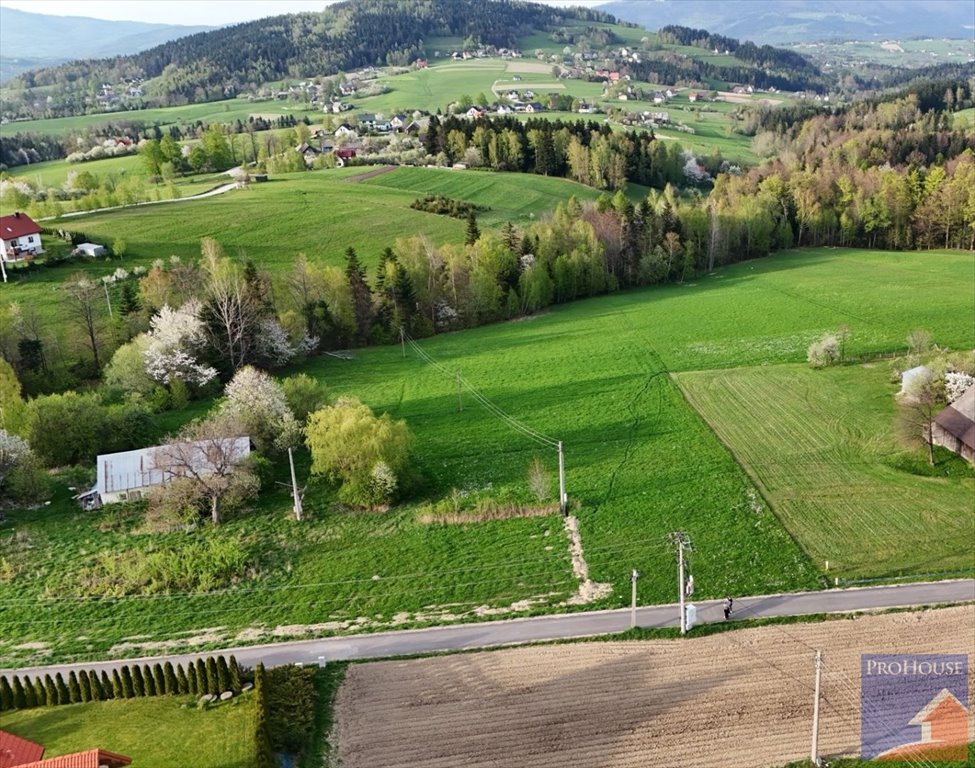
(160, 731)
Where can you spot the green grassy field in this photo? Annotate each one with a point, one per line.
(640, 462)
(822, 447)
(321, 212)
(158, 732)
(54, 172)
(208, 112)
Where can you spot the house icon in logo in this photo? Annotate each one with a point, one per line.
(944, 732)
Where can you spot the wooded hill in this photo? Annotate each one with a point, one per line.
(344, 36)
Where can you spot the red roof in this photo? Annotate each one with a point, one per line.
(93, 758)
(17, 225)
(17, 751)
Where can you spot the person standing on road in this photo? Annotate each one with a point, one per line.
(728, 605)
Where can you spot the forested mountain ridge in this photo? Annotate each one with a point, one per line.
(347, 35)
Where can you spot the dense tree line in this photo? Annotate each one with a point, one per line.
(588, 152)
(764, 56)
(688, 71)
(213, 675)
(349, 35)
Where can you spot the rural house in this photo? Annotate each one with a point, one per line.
(20, 237)
(129, 475)
(954, 428)
(16, 752)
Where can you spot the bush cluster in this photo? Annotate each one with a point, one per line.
(445, 206)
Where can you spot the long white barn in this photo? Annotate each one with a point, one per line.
(129, 475)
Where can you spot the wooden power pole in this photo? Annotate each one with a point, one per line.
(814, 754)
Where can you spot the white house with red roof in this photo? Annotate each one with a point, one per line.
(20, 237)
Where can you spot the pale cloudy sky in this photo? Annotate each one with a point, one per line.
(207, 12)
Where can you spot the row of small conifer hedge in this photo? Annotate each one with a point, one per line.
(213, 675)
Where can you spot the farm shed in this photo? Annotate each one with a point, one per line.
(955, 426)
(90, 249)
(128, 475)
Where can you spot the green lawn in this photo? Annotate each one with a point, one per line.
(159, 732)
(53, 172)
(822, 447)
(640, 462)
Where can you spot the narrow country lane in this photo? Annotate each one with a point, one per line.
(563, 626)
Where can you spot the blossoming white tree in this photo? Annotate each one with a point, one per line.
(258, 403)
(176, 337)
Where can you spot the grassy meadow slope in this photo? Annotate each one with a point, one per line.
(640, 462)
(320, 214)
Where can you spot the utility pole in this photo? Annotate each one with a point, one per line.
(633, 577)
(3, 268)
(294, 486)
(460, 393)
(682, 542)
(402, 340)
(563, 499)
(814, 755)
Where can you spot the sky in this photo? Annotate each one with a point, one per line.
(205, 12)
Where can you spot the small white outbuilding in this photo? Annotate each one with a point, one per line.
(90, 249)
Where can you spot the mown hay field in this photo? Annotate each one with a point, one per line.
(740, 699)
(822, 446)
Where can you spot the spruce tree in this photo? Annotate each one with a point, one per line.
(6, 695)
(52, 691)
(148, 681)
(138, 684)
(74, 690)
(473, 233)
(97, 694)
(118, 686)
(191, 683)
(84, 684)
(64, 695)
(361, 294)
(20, 700)
(40, 692)
(108, 687)
(234, 675)
(172, 684)
(265, 757)
(201, 677)
(182, 684)
(223, 674)
(160, 679)
(213, 685)
(30, 694)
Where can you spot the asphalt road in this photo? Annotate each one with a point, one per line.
(574, 625)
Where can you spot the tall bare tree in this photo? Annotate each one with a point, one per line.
(83, 304)
(229, 309)
(208, 455)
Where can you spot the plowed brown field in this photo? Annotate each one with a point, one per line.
(741, 698)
